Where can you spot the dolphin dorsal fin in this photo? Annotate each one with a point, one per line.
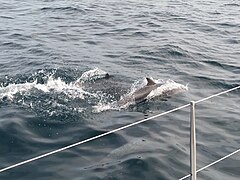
(150, 82)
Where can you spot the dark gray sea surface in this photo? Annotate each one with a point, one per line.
(54, 56)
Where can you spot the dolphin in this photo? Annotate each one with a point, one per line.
(148, 91)
(140, 94)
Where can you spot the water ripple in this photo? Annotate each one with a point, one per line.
(47, 46)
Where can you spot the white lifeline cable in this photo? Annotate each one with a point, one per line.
(218, 94)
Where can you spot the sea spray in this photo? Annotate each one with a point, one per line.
(166, 88)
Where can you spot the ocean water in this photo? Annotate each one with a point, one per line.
(54, 56)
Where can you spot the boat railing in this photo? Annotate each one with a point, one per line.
(192, 105)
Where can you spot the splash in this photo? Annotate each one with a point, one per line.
(11, 90)
(47, 93)
(72, 89)
(56, 85)
(166, 88)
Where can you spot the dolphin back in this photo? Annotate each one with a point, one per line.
(150, 82)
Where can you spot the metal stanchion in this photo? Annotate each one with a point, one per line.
(193, 142)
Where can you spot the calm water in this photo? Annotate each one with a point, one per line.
(47, 45)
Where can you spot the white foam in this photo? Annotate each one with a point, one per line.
(12, 89)
(56, 85)
(168, 88)
(75, 90)
(100, 107)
